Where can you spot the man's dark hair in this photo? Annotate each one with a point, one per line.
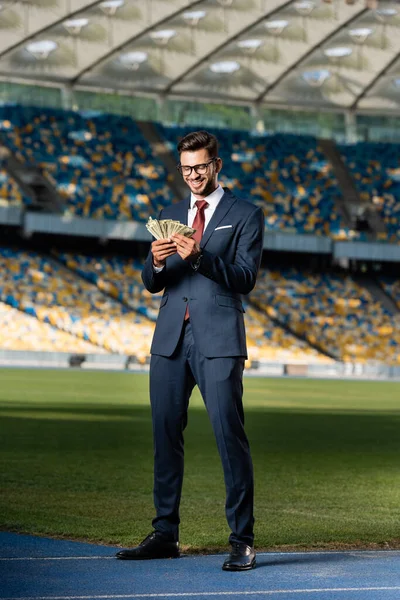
(197, 140)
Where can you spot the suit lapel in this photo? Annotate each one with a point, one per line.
(181, 211)
(223, 207)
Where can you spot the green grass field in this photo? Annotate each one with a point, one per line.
(76, 461)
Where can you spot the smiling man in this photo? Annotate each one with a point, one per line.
(200, 340)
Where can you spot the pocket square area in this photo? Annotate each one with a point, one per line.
(223, 227)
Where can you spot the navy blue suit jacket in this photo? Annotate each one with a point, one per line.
(228, 269)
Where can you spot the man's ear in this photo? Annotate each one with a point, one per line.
(219, 165)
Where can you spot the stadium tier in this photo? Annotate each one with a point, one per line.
(291, 316)
(121, 278)
(116, 276)
(100, 164)
(286, 175)
(375, 168)
(105, 168)
(332, 312)
(39, 286)
(20, 331)
(269, 342)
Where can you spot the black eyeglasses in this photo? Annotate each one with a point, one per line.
(201, 169)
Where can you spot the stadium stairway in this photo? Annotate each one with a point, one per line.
(378, 293)
(351, 205)
(41, 192)
(294, 333)
(161, 149)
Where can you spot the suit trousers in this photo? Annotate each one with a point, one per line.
(172, 380)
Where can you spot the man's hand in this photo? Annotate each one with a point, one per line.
(161, 249)
(187, 248)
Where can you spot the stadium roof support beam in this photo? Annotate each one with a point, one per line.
(297, 63)
(379, 75)
(228, 41)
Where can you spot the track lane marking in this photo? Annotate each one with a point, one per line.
(56, 558)
(208, 593)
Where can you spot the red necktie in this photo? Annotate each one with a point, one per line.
(198, 225)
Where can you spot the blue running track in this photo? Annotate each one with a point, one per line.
(33, 568)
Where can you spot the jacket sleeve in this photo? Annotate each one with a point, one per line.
(239, 277)
(153, 282)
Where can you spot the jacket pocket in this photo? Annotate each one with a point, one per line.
(230, 302)
(164, 300)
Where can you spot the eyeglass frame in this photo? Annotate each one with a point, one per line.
(195, 167)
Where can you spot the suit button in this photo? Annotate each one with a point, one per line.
(184, 299)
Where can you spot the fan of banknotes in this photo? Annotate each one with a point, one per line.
(164, 228)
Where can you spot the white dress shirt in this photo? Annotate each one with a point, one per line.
(213, 200)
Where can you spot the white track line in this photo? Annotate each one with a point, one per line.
(58, 558)
(205, 593)
(270, 554)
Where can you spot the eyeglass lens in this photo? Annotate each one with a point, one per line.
(199, 169)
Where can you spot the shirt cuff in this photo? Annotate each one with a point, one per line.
(157, 269)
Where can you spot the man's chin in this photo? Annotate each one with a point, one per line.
(198, 191)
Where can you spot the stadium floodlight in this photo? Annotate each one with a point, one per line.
(162, 36)
(110, 7)
(386, 12)
(384, 15)
(317, 77)
(304, 7)
(250, 45)
(225, 66)
(360, 34)
(276, 27)
(41, 50)
(338, 52)
(194, 16)
(75, 26)
(133, 60)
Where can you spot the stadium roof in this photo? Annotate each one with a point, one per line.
(333, 54)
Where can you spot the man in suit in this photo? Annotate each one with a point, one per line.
(200, 339)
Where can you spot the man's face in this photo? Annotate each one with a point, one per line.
(204, 183)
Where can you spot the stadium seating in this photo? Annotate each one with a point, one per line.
(116, 276)
(39, 286)
(287, 175)
(121, 278)
(101, 300)
(104, 168)
(20, 331)
(269, 342)
(332, 312)
(101, 164)
(376, 171)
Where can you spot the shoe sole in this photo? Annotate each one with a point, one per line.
(245, 568)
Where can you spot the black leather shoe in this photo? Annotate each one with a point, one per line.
(154, 545)
(241, 558)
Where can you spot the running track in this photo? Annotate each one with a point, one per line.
(33, 568)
